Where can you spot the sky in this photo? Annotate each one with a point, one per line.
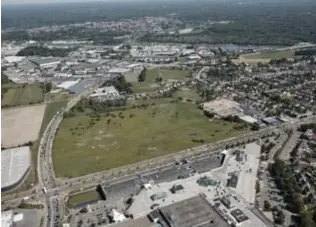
(45, 1)
(7, 2)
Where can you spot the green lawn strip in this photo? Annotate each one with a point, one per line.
(83, 197)
(142, 134)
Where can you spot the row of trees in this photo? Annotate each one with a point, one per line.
(142, 75)
(44, 51)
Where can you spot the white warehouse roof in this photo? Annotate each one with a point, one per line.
(67, 84)
(15, 162)
(11, 59)
(7, 218)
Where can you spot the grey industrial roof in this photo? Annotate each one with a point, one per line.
(14, 164)
(138, 222)
(82, 85)
(193, 212)
(40, 61)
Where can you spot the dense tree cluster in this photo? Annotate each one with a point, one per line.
(142, 75)
(282, 23)
(44, 51)
(306, 52)
(120, 84)
(291, 192)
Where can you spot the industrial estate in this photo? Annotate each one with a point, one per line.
(154, 133)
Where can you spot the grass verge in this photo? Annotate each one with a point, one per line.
(83, 197)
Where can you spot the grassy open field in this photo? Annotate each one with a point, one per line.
(21, 125)
(132, 77)
(132, 135)
(83, 197)
(277, 54)
(187, 94)
(166, 74)
(57, 97)
(22, 94)
(265, 56)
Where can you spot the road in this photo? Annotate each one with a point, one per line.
(55, 187)
(46, 175)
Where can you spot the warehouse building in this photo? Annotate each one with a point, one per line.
(105, 93)
(46, 62)
(15, 164)
(195, 211)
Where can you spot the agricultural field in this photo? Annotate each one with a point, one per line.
(87, 143)
(166, 74)
(266, 56)
(21, 125)
(22, 94)
(83, 198)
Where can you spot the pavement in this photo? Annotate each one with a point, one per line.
(119, 192)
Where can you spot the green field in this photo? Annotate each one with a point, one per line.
(132, 135)
(164, 73)
(278, 54)
(22, 94)
(83, 197)
(187, 95)
(57, 97)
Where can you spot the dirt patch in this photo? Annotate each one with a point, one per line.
(21, 124)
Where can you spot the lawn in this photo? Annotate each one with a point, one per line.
(22, 94)
(277, 54)
(187, 94)
(132, 135)
(166, 74)
(83, 198)
(57, 97)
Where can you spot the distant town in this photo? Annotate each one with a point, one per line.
(146, 128)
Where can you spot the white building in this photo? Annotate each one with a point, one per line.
(105, 93)
(7, 218)
(117, 217)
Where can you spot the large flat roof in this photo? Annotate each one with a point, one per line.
(194, 211)
(82, 85)
(41, 61)
(246, 185)
(138, 222)
(14, 164)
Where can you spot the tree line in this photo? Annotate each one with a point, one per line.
(44, 51)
